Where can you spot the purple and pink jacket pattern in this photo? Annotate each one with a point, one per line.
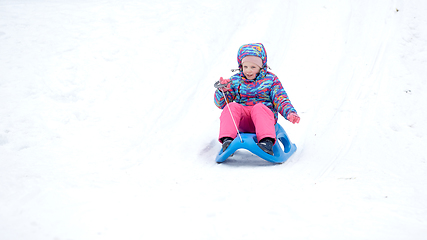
(266, 88)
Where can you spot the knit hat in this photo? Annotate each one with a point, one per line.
(253, 59)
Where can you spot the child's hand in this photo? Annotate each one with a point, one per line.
(226, 83)
(293, 117)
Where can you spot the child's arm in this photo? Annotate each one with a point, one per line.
(220, 100)
(219, 94)
(280, 99)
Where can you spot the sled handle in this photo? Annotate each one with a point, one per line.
(219, 85)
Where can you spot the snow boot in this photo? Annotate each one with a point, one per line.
(226, 141)
(266, 144)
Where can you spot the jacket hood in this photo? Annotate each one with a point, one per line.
(253, 49)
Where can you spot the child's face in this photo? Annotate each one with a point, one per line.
(250, 70)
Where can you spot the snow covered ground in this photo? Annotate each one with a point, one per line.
(108, 127)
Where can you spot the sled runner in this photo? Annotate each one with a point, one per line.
(250, 143)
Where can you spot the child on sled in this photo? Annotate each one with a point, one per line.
(255, 98)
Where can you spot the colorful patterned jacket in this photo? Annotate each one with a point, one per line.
(266, 88)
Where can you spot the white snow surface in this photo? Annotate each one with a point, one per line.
(108, 129)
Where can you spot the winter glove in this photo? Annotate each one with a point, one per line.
(224, 84)
(293, 117)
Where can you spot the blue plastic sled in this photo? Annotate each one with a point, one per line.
(250, 143)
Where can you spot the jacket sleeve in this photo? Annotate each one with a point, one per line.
(231, 95)
(220, 100)
(280, 99)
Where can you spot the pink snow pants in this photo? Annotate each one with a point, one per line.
(258, 119)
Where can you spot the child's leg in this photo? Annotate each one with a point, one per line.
(227, 128)
(246, 123)
(263, 119)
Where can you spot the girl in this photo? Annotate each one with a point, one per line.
(255, 98)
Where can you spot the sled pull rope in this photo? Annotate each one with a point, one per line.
(235, 125)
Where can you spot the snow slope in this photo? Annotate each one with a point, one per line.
(108, 128)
